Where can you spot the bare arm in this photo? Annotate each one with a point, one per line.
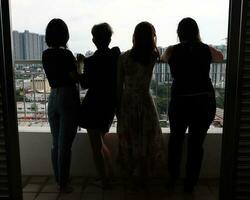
(167, 54)
(217, 56)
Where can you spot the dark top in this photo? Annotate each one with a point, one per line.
(99, 77)
(57, 64)
(190, 65)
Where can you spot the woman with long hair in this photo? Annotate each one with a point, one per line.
(192, 102)
(140, 137)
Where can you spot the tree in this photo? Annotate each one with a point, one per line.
(219, 94)
(162, 96)
(19, 94)
(161, 104)
(34, 107)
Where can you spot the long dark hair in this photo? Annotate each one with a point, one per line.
(188, 30)
(57, 33)
(144, 48)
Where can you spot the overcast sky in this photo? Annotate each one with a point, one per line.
(122, 15)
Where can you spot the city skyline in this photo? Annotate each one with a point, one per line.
(27, 45)
(80, 16)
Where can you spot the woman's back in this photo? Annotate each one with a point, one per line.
(58, 63)
(137, 76)
(190, 66)
(138, 122)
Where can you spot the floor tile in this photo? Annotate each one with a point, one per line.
(212, 182)
(51, 179)
(118, 181)
(50, 188)
(202, 191)
(32, 188)
(137, 196)
(194, 196)
(78, 180)
(92, 189)
(38, 179)
(114, 193)
(86, 188)
(29, 196)
(180, 197)
(156, 196)
(77, 188)
(92, 196)
(25, 180)
(71, 196)
(159, 189)
(47, 196)
(115, 188)
(214, 190)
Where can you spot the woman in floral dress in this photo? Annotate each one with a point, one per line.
(140, 136)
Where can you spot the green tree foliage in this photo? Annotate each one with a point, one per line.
(219, 94)
(161, 93)
(34, 107)
(19, 94)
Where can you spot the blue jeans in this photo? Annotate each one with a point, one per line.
(62, 113)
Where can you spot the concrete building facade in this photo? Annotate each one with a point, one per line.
(28, 46)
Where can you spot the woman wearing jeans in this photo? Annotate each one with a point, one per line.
(60, 68)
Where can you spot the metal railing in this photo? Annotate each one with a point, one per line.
(32, 91)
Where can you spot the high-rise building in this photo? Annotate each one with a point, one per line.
(218, 70)
(28, 46)
(161, 73)
(18, 45)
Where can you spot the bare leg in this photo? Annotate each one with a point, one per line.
(96, 144)
(108, 158)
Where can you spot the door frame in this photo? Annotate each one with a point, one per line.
(9, 104)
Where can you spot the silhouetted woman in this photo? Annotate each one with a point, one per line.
(140, 137)
(60, 68)
(98, 106)
(192, 102)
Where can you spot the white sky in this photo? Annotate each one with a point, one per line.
(122, 15)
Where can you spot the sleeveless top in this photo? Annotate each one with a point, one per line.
(190, 65)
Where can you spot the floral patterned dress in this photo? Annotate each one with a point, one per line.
(140, 136)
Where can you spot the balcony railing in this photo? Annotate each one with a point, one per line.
(32, 91)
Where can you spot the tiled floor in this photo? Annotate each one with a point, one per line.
(44, 188)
